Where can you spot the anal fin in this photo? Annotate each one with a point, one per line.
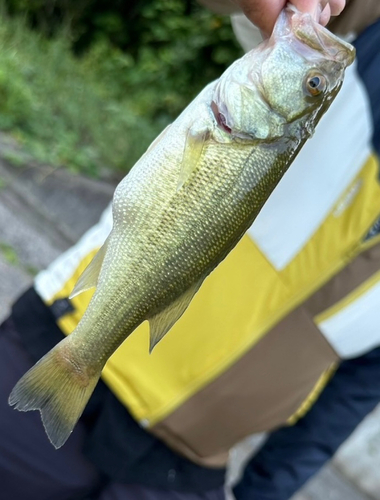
(161, 323)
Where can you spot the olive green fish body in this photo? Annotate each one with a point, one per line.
(185, 205)
(181, 237)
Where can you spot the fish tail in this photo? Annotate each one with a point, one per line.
(59, 386)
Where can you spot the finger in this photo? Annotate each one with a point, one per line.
(313, 7)
(337, 6)
(263, 14)
(321, 10)
(324, 18)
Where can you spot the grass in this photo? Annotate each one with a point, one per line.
(102, 110)
(9, 254)
(60, 110)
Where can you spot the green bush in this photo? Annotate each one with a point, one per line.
(103, 107)
(176, 57)
(58, 108)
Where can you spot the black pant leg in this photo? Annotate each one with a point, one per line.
(30, 467)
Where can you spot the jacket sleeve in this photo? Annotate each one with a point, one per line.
(292, 455)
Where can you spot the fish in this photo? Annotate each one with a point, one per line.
(185, 205)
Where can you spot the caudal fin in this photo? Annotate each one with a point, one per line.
(59, 388)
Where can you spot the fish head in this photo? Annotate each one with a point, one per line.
(292, 77)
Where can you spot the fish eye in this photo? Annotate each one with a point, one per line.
(315, 84)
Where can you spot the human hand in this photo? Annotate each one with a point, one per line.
(263, 13)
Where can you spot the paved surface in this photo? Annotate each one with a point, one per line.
(44, 211)
(352, 475)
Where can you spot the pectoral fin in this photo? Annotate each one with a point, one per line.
(89, 278)
(161, 323)
(195, 141)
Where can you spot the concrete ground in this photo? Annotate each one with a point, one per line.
(44, 211)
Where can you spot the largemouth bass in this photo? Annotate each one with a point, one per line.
(185, 205)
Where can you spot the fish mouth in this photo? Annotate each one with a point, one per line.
(220, 118)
